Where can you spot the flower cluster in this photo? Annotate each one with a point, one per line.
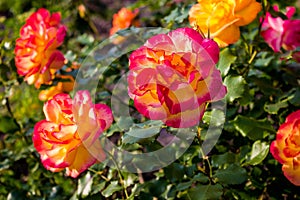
(221, 19)
(173, 76)
(68, 137)
(37, 57)
(286, 147)
(280, 33)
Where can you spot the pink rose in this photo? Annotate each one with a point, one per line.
(281, 33)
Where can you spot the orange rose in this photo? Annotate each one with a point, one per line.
(68, 137)
(36, 55)
(61, 87)
(124, 19)
(222, 18)
(286, 147)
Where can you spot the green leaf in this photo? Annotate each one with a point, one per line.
(178, 15)
(263, 59)
(129, 179)
(112, 188)
(142, 132)
(157, 187)
(259, 152)
(5, 164)
(85, 185)
(125, 122)
(274, 108)
(233, 174)
(214, 117)
(200, 178)
(97, 188)
(16, 195)
(183, 186)
(235, 87)
(295, 100)
(264, 83)
(226, 158)
(85, 39)
(174, 172)
(226, 59)
(206, 192)
(247, 97)
(252, 128)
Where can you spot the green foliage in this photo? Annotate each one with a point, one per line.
(252, 128)
(203, 192)
(235, 87)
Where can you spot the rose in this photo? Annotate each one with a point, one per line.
(221, 19)
(123, 19)
(286, 147)
(281, 33)
(68, 137)
(290, 38)
(173, 76)
(272, 30)
(36, 54)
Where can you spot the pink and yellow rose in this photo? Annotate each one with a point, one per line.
(280, 33)
(286, 147)
(221, 19)
(36, 54)
(173, 76)
(68, 137)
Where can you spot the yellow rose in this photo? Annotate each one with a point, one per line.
(221, 19)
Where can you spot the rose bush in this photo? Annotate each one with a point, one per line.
(173, 76)
(68, 137)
